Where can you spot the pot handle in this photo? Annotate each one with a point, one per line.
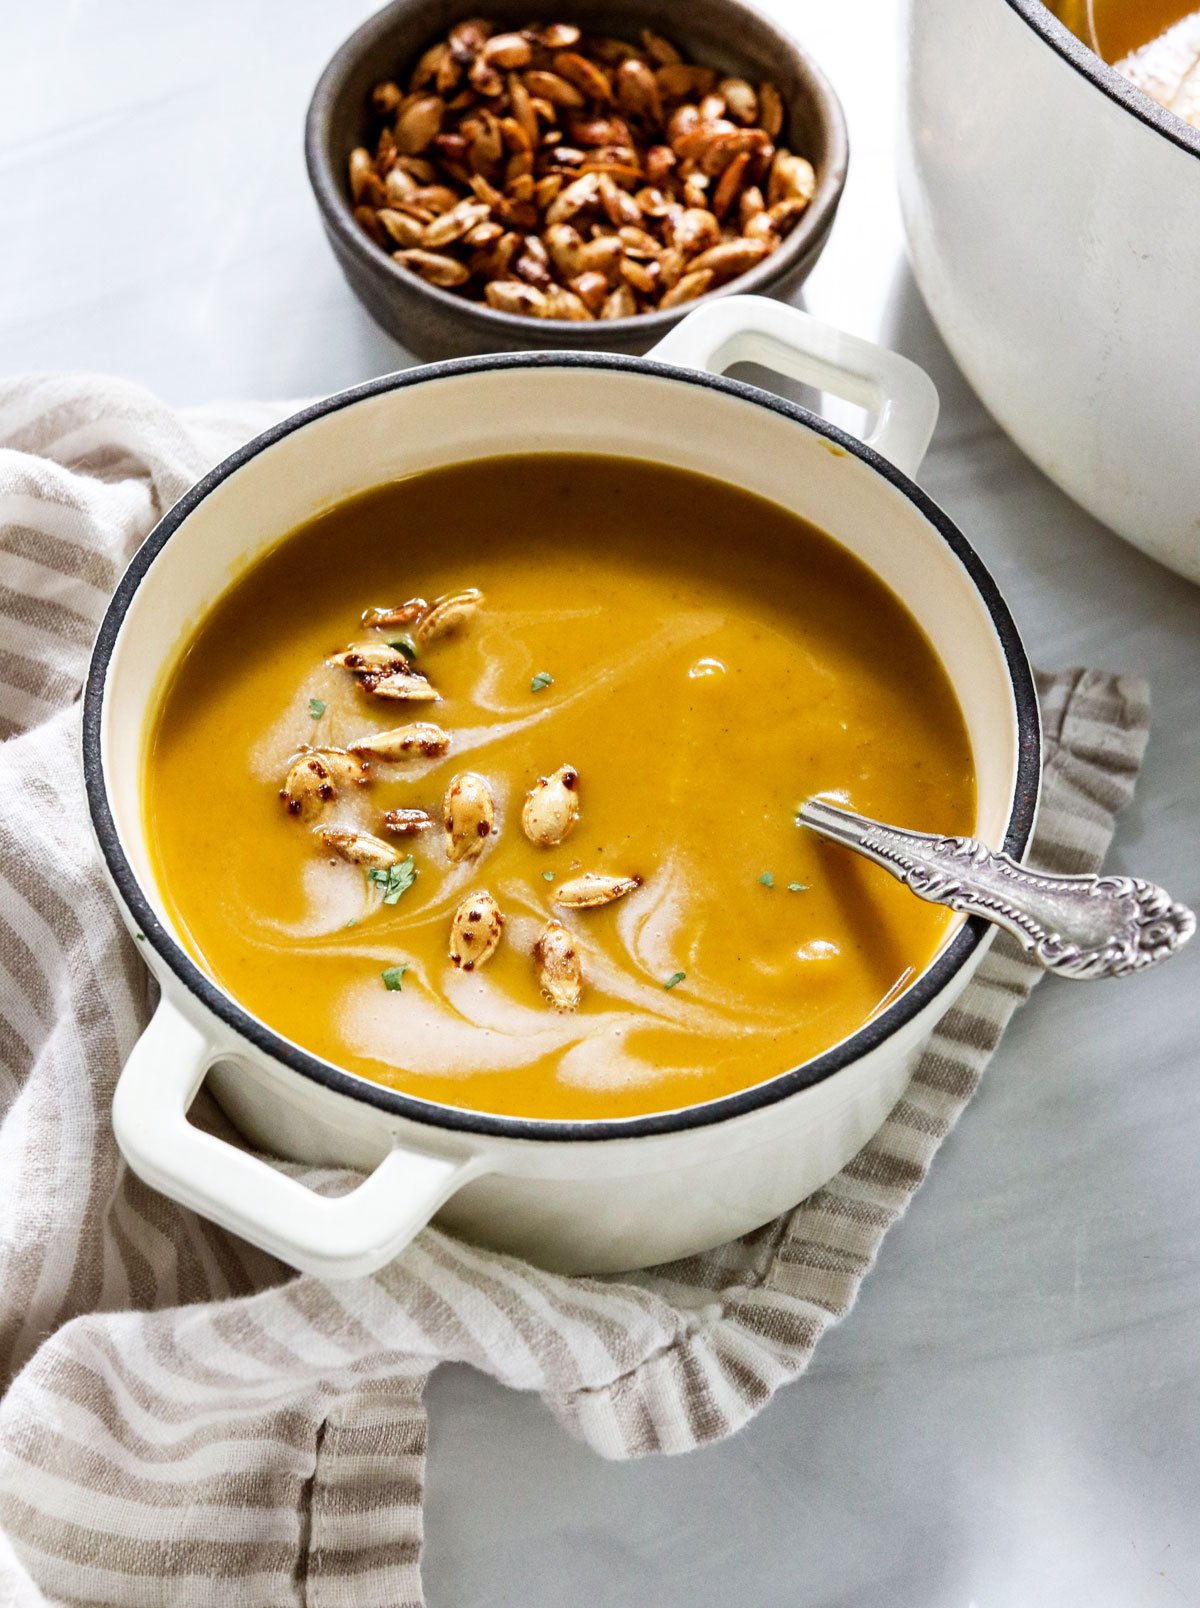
(754, 329)
(342, 1237)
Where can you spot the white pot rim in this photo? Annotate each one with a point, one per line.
(1107, 79)
(188, 975)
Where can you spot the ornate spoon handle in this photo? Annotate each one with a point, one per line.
(1075, 926)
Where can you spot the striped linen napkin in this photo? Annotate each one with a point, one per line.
(185, 1421)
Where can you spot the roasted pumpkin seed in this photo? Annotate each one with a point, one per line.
(551, 808)
(447, 615)
(511, 296)
(434, 267)
(405, 614)
(792, 178)
(560, 971)
(372, 654)
(404, 823)
(475, 930)
(468, 815)
(358, 848)
(688, 287)
(402, 683)
(314, 780)
(421, 739)
(592, 888)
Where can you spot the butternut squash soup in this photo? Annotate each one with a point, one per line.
(483, 785)
(1153, 43)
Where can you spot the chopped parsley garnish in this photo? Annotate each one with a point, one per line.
(393, 978)
(541, 681)
(140, 936)
(547, 876)
(797, 887)
(676, 977)
(316, 707)
(767, 879)
(404, 644)
(397, 879)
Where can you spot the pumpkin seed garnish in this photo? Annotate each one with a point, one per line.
(551, 808)
(559, 970)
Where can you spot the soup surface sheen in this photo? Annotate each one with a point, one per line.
(1153, 43)
(714, 661)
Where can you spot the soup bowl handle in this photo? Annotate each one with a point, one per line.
(753, 329)
(340, 1237)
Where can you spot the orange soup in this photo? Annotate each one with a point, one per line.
(1153, 43)
(1120, 27)
(531, 849)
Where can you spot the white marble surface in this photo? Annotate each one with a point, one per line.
(1011, 1416)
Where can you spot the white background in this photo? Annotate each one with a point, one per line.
(1011, 1415)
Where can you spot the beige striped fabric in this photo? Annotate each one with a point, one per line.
(185, 1422)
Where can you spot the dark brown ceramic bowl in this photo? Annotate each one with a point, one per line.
(434, 323)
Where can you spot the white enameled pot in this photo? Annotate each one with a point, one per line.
(1053, 218)
(587, 1195)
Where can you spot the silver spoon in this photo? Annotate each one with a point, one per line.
(1101, 926)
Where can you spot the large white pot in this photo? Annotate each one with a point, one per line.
(1053, 217)
(583, 1195)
